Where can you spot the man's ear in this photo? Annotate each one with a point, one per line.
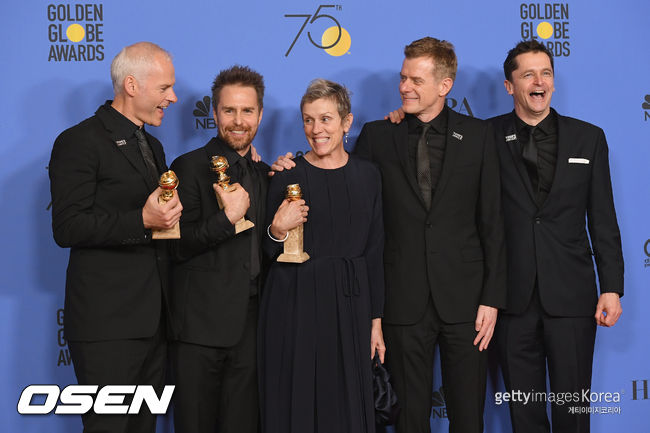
(130, 85)
(445, 86)
(508, 86)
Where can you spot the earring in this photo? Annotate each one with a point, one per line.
(345, 139)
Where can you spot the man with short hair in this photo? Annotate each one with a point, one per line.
(104, 182)
(554, 174)
(218, 274)
(444, 253)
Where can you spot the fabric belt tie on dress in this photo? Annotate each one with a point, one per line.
(354, 268)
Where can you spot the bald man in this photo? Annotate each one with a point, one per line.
(103, 175)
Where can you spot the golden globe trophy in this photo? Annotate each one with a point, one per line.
(293, 246)
(219, 164)
(168, 183)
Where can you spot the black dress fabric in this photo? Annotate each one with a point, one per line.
(315, 318)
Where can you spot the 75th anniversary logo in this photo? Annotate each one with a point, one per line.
(335, 40)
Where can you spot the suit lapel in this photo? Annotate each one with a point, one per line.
(400, 141)
(511, 139)
(564, 140)
(131, 154)
(452, 149)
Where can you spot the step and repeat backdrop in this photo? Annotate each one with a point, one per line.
(55, 72)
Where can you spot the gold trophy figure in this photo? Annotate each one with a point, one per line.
(219, 164)
(293, 246)
(168, 183)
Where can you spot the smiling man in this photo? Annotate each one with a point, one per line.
(104, 181)
(444, 254)
(554, 174)
(218, 274)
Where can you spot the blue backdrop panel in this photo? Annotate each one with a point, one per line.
(56, 59)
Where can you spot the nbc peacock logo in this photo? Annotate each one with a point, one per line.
(203, 114)
(438, 404)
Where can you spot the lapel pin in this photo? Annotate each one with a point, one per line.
(511, 137)
(120, 143)
(457, 136)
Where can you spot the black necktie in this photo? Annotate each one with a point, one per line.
(147, 155)
(249, 185)
(529, 154)
(424, 166)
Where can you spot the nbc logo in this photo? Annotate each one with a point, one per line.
(203, 114)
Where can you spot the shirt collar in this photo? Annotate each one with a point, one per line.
(119, 123)
(548, 125)
(438, 123)
(232, 155)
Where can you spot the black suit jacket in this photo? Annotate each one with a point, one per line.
(550, 242)
(455, 251)
(116, 274)
(211, 277)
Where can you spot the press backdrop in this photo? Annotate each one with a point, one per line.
(55, 73)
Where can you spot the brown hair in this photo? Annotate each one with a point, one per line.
(238, 75)
(532, 46)
(441, 52)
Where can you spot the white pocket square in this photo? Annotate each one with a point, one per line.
(578, 161)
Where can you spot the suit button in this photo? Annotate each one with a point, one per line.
(538, 220)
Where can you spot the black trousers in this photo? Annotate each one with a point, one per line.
(409, 358)
(530, 342)
(140, 361)
(216, 387)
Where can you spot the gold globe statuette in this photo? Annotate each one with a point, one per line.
(219, 165)
(293, 246)
(168, 183)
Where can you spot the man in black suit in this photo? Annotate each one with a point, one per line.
(554, 174)
(104, 176)
(444, 254)
(218, 274)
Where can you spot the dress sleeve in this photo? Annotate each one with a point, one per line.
(374, 251)
(274, 199)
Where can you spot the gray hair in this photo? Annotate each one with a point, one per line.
(322, 88)
(135, 60)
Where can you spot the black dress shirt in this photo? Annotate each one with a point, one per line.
(242, 171)
(436, 143)
(545, 134)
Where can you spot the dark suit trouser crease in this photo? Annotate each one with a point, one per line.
(464, 372)
(527, 344)
(216, 388)
(140, 361)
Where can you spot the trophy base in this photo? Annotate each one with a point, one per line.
(172, 233)
(243, 225)
(293, 258)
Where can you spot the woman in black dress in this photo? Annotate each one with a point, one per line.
(320, 321)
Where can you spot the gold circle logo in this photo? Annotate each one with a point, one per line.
(329, 37)
(75, 32)
(544, 30)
